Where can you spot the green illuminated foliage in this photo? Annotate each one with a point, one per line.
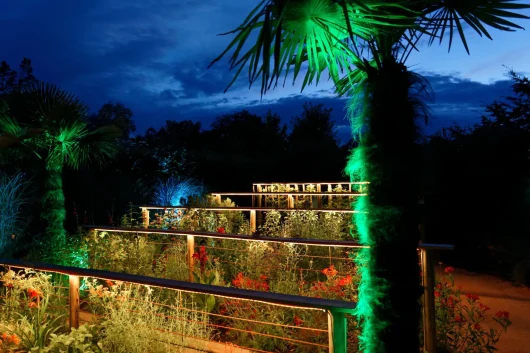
(50, 123)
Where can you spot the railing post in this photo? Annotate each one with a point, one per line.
(190, 250)
(429, 314)
(319, 197)
(74, 301)
(252, 221)
(338, 329)
(145, 218)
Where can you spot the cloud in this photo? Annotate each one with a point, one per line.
(152, 55)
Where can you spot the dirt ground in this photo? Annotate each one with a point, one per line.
(502, 295)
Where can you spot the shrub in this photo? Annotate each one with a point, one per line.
(461, 323)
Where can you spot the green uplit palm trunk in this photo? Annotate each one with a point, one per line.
(387, 157)
(53, 207)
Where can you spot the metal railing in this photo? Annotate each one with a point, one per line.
(425, 258)
(334, 331)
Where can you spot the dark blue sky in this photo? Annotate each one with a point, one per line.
(151, 55)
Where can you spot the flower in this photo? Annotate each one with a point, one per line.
(109, 283)
(477, 327)
(472, 297)
(344, 281)
(221, 230)
(436, 293)
(5, 336)
(202, 257)
(449, 269)
(330, 271)
(459, 318)
(503, 314)
(32, 305)
(297, 321)
(34, 293)
(14, 339)
(483, 307)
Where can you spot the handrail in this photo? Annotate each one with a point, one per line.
(300, 241)
(313, 183)
(237, 208)
(294, 193)
(227, 292)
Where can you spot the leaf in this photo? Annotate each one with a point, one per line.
(210, 303)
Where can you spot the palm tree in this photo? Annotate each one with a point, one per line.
(50, 122)
(368, 42)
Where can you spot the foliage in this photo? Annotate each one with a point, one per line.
(13, 196)
(138, 318)
(175, 191)
(497, 147)
(31, 308)
(461, 323)
(81, 340)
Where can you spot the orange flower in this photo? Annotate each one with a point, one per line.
(33, 305)
(34, 293)
(5, 336)
(14, 339)
(330, 271)
(109, 283)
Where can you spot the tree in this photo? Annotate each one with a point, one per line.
(114, 114)
(56, 131)
(11, 80)
(487, 165)
(370, 41)
(313, 148)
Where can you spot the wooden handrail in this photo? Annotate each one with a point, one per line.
(315, 242)
(294, 193)
(237, 208)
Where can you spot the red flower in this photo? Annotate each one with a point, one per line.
(34, 293)
(472, 297)
(297, 321)
(436, 294)
(483, 307)
(477, 327)
(459, 318)
(330, 271)
(202, 257)
(345, 281)
(503, 314)
(221, 230)
(449, 269)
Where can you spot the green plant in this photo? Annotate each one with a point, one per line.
(32, 302)
(81, 340)
(138, 319)
(13, 190)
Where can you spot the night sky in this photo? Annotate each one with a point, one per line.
(152, 56)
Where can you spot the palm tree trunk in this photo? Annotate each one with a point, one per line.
(389, 292)
(53, 208)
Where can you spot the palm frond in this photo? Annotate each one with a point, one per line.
(444, 16)
(322, 33)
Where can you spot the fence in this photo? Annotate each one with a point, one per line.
(296, 335)
(425, 257)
